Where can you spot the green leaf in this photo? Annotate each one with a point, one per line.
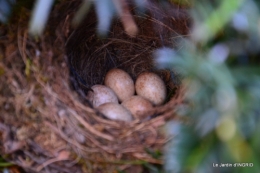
(40, 16)
(215, 21)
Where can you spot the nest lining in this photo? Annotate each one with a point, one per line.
(90, 57)
(41, 115)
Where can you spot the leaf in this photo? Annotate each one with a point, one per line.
(82, 12)
(40, 16)
(178, 149)
(216, 20)
(5, 9)
(105, 11)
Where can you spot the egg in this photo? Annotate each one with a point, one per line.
(121, 83)
(151, 87)
(101, 94)
(137, 105)
(115, 111)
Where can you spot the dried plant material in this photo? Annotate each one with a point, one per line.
(90, 128)
(126, 17)
(45, 116)
(63, 155)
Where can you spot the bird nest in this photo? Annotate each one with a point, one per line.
(46, 122)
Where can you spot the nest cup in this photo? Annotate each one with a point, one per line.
(55, 129)
(90, 57)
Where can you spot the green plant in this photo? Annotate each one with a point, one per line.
(4, 164)
(222, 78)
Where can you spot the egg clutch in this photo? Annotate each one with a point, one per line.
(116, 100)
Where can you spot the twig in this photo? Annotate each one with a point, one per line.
(89, 127)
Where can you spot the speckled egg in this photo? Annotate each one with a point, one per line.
(151, 87)
(115, 111)
(101, 94)
(121, 83)
(137, 105)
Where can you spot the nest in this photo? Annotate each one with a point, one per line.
(47, 125)
(90, 57)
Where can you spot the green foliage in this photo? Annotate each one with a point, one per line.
(4, 164)
(5, 9)
(222, 77)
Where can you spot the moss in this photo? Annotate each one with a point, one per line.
(2, 71)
